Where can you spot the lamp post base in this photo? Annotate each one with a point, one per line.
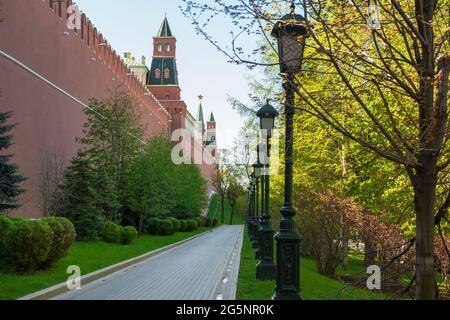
(266, 269)
(288, 263)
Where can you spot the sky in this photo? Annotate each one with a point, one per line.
(129, 25)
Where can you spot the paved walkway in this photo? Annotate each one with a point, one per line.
(205, 268)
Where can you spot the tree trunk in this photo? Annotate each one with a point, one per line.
(223, 208)
(424, 202)
(232, 214)
(141, 222)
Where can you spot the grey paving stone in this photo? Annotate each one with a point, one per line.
(193, 271)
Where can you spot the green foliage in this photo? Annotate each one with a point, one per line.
(113, 136)
(63, 238)
(176, 224)
(111, 232)
(152, 226)
(207, 222)
(183, 225)
(9, 179)
(191, 225)
(128, 235)
(28, 244)
(79, 199)
(156, 186)
(200, 221)
(5, 225)
(165, 228)
(215, 221)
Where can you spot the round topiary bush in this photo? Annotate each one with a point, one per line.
(27, 243)
(165, 228)
(152, 226)
(63, 237)
(128, 235)
(111, 232)
(192, 225)
(183, 225)
(176, 224)
(199, 220)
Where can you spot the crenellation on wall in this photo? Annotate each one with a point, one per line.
(75, 62)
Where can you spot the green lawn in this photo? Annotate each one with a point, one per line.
(313, 285)
(89, 256)
(215, 212)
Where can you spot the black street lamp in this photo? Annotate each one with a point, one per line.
(265, 269)
(291, 32)
(257, 171)
(251, 229)
(259, 168)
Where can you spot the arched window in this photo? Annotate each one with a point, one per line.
(159, 47)
(168, 48)
(157, 74)
(166, 73)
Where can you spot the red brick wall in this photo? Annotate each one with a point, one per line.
(48, 121)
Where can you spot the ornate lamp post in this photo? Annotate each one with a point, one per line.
(260, 171)
(257, 171)
(291, 32)
(265, 269)
(251, 229)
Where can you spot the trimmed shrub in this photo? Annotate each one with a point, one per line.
(128, 235)
(111, 232)
(28, 244)
(5, 225)
(183, 225)
(165, 227)
(63, 237)
(192, 225)
(152, 226)
(200, 221)
(176, 224)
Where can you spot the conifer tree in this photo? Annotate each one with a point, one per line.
(9, 178)
(79, 203)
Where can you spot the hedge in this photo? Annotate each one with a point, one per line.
(152, 226)
(165, 228)
(28, 245)
(111, 232)
(63, 237)
(176, 224)
(183, 225)
(192, 225)
(128, 235)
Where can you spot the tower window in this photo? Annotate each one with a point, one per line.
(159, 47)
(157, 74)
(168, 48)
(166, 73)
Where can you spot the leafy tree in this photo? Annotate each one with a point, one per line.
(80, 199)
(220, 183)
(9, 179)
(384, 86)
(189, 190)
(148, 184)
(112, 137)
(234, 191)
